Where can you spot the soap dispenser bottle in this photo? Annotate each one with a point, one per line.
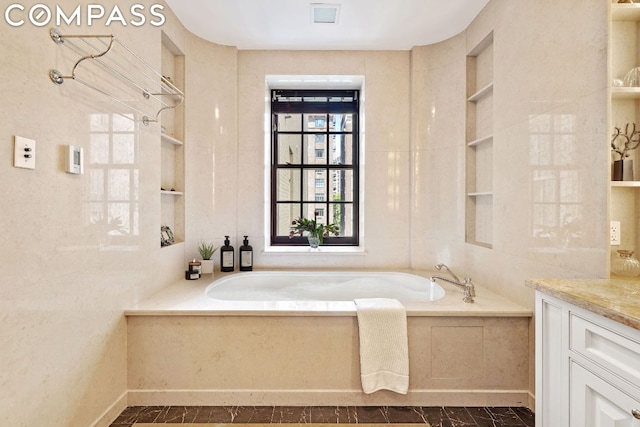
(227, 256)
(246, 255)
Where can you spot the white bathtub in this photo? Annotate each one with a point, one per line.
(324, 286)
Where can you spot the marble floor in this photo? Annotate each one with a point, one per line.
(436, 416)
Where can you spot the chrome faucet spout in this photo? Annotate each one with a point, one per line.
(440, 266)
(466, 284)
(446, 279)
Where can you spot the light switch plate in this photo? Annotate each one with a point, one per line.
(24, 153)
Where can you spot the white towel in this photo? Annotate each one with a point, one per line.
(384, 350)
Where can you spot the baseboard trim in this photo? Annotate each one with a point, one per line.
(112, 412)
(328, 398)
(532, 402)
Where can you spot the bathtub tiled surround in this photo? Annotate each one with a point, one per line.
(435, 416)
(301, 353)
(67, 277)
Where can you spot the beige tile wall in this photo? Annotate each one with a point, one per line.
(65, 279)
(65, 282)
(386, 153)
(549, 147)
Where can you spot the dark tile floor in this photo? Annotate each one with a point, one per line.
(436, 416)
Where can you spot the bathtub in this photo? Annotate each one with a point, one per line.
(249, 339)
(324, 286)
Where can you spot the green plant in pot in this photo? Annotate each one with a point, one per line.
(622, 144)
(206, 252)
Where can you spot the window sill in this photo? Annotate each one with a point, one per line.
(322, 250)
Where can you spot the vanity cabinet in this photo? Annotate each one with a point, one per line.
(587, 368)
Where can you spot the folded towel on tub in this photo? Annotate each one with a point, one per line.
(384, 350)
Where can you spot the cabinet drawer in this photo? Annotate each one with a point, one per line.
(617, 353)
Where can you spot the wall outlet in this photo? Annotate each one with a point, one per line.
(615, 233)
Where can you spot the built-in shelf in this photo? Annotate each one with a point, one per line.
(625, 12)
(481, 93)
(176, 245)
(625, 92)
(484, 140)
(172, 167)
(623, 56)
(482, 244)
(171, 140)
(479, 144)
(625, 183)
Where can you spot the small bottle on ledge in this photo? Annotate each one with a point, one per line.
(246, 255)
(227, 256)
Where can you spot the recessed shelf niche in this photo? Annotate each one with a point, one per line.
(172, 145)
(479, 144)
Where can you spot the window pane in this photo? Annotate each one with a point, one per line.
(342, 216)
(289, 149)
(341, 149)
(315, 122)
(289, 122)
(315, 185)
(317, 210)
(341, 185)
(288, 185)
(286, 214)
(315, 149)
(341, 122)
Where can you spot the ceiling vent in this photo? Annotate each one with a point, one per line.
(323, 13)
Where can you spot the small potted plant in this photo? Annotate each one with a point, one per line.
(316, 232)
(623, 168)
(206, 252)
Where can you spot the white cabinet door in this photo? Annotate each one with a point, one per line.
(552, 374)
(596, 403)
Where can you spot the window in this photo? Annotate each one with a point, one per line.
(314, 162)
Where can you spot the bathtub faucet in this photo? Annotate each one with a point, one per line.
(466, 284)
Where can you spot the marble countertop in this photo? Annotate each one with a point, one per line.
(188, 298)
(616, 299)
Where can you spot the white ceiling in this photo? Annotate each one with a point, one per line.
(362, 24)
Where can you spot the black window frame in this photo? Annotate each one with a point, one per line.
(338, 101)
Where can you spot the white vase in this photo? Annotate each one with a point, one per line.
(207, 266)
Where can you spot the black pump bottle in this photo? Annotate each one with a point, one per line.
(246, 255)
(227, 256)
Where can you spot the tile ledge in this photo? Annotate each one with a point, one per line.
(306, 250)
